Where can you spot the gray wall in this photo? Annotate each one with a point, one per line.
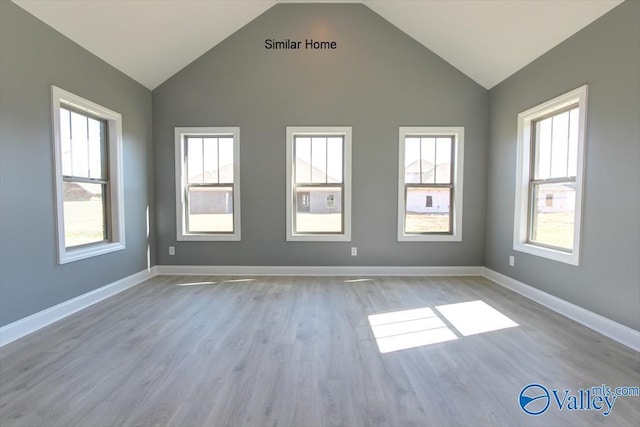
(375, 81)
(606, 55)
(34, 56)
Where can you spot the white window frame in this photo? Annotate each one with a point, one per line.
(292, 132)
(115, 210)
(523, 174)
(457, 132)
(181, 226)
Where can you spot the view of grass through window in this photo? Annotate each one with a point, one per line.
(84, 220)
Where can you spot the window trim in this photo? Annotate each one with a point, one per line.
(457, 132)
(115, 206)
(524, 170)
(291, 133)
(181, 230)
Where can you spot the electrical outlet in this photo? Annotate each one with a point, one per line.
(354, 251)
(172, 250)
(512, 260)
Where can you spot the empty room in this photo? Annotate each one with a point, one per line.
(319, 213)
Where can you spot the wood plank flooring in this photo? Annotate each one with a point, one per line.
(300, 351)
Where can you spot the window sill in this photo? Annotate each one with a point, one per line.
(209, 237)
(429, 238)
(318, 238)
(571, 258)
(70, 255)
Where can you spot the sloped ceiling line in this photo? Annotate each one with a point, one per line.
(151, 40)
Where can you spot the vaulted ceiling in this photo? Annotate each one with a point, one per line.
(151, 40)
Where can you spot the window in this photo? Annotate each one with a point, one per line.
(549, 178)
(87, 146)
(207, 183)
(430, 184)
(549, 200)
(305, 200)
(318, 183)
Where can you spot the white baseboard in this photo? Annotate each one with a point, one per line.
(29, 324)
(607, 327)
(242, 270)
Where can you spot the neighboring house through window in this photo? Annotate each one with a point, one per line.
(429, 202)
(88, 177)
(207, 183)
(430, 184)
(318, 183)
(551, 140)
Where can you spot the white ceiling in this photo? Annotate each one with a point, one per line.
(488, 40)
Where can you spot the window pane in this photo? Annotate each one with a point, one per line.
(573, 142)
(83, 206)
(427, 210)
(97, 149)
(210, 161)
(428, 156)
(210, 209)
(194, 161)
(554, 214)
(225, 172)
(303, 160)
(65, 141)
(560, 145)
(318, 210)
(411, 160)
(334, 160)
(79, 146)
(319, 160)
(443, 161)
(543, 149)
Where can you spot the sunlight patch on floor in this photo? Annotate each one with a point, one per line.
(196, 283)
(475, 317)
(401, 330)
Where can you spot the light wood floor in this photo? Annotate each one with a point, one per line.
(284, 351)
